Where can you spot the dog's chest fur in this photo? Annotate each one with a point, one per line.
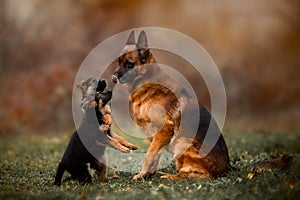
(152, 106)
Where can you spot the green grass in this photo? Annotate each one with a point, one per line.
(28, 165)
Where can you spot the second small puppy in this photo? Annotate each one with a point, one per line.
(95, 132)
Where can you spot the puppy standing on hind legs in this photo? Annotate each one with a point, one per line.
(77, 159)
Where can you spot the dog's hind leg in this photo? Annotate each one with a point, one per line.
(84, 175)
(185, 175)
(100, 168)
(190, 166)
(60, 171)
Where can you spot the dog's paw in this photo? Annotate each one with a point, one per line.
(57, 183)
(113, 177)
(139, 176)
(166, 176)
(124, 149)
(169, 176)
(132, 147)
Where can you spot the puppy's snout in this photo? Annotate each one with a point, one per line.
(97, 96)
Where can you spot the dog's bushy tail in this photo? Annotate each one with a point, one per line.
(281, 162)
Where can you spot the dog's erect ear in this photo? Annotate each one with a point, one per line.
(101, 86)
(142, 46)
(81, 85)
(131, 39)
(142, 41)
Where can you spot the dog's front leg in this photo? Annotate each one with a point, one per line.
(110, 141)
(160, 140)
(123, 142)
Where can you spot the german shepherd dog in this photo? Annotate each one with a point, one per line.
(136, 69)
(95, 124)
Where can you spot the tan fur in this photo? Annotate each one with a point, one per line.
(114, 141)
(145, 92)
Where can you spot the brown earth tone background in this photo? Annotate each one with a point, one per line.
(255, 44)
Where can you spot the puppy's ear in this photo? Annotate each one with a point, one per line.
(131, 39)
(82, 85)
(142, 41)
(101, 86)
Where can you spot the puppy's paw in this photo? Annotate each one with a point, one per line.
(56, 183)
(132, 147)
(124, 149)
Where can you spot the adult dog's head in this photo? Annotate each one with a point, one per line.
(132, 58)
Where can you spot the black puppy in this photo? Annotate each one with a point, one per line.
(95, 132)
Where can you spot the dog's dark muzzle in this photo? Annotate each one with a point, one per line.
(115, 77)
(124, 78)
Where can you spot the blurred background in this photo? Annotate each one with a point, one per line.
(255, 44)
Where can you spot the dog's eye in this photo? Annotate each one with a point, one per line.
(129, 65)
(120, 60)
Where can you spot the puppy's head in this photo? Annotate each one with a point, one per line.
(93, 95)
(94, 101)
(102, 98)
